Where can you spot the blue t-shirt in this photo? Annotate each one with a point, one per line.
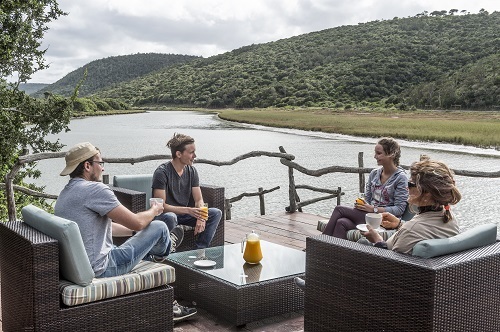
(87, 203)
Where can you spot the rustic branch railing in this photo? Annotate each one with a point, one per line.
(285, 158)
(259, 193)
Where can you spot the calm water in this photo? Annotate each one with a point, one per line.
(135, 135)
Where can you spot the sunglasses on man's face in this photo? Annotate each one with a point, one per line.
(411, 184)
(101, 163)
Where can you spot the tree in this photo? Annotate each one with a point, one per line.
(23, 24)
(25, 121)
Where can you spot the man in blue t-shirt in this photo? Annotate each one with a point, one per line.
(178, 184)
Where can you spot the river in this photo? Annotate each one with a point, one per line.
(134, 135)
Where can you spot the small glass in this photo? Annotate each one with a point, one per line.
(158, 201)
(204, 211)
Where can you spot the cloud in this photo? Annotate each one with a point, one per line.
(96, 29)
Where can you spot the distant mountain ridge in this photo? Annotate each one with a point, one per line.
(108, 72)
(31, 88)
(375, 63)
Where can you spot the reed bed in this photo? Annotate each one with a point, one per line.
(480, 129)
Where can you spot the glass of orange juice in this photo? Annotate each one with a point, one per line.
(204, 211)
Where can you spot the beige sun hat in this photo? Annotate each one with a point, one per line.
(77, 154)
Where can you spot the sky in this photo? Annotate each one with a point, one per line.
(96, 29)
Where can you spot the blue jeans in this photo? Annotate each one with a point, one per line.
(204, 238)
(152, 240)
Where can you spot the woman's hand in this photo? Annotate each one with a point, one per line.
(363, 207)
(372, 235)
(389, 221)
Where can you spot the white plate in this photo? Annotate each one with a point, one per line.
(204, 263)
(362, 227)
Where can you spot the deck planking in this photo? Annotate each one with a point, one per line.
(288, 229)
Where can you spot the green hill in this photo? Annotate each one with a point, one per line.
(108, 72)
(375, 63)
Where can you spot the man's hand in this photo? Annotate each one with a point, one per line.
(156, 207)
(200, 226)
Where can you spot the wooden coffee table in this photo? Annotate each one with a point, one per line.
(236, 291)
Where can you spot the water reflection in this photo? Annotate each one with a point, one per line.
(135, 135)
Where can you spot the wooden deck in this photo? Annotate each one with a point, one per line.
(288, 229)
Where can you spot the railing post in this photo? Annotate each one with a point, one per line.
(339, 189)
(9, 187)
(361, 174)
(292, 192)
(227, 206)
(105, 178)
(261, 200)
(11, 202)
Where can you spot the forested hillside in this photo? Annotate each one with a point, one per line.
(440, 60)
(108, 72)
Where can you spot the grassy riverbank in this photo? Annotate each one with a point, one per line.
(470, 128)
(474, 128)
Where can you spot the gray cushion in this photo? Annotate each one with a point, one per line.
(74, 263)
(139, 182)
(476, 237)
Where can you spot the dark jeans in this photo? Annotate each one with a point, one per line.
(205, 237)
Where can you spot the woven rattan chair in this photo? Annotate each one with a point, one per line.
(29, 266)
(355, 287)
(136, 200)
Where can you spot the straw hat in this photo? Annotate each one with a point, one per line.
(77, 154)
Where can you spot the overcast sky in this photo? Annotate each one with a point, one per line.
(96, 29)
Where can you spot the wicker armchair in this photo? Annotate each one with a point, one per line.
(29, 266)
(355, 287)
(136, 200)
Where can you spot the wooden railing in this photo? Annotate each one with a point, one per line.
(285, 158)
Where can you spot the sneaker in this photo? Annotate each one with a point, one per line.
(176, 236)
(301, 283)
(159, 259)
(182, 313)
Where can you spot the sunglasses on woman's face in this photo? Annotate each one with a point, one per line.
(411, 184)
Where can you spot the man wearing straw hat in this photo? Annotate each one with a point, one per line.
(92, 205)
